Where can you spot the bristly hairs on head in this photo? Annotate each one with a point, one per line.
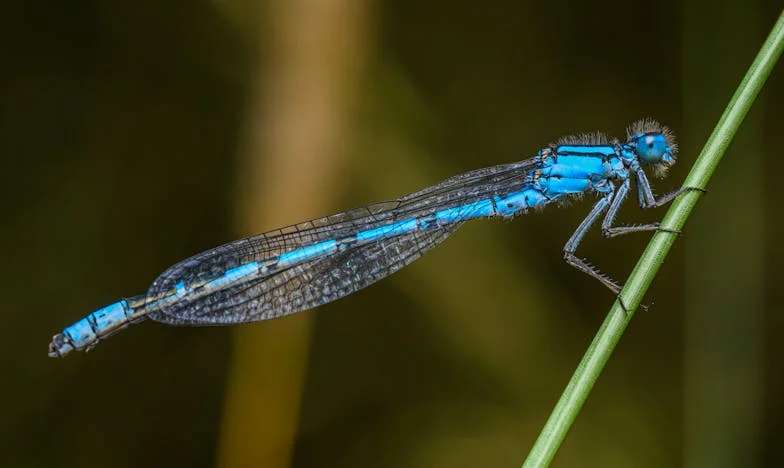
(648, 125)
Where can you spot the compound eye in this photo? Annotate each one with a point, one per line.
(651, 147)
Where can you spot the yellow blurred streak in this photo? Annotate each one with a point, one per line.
(298, 124)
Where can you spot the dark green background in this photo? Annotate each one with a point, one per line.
(120, 123)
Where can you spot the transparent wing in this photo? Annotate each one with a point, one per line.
(458, 190)
(306, 285)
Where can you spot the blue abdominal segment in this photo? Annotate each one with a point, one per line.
(305, 253)
(234, 275)
(98, 325)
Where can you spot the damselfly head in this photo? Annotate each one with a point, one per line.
(654, 144)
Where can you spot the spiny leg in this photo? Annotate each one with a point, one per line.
(577, 237)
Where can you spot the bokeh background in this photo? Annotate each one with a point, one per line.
(136, 133)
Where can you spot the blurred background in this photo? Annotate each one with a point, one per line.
(134, 134)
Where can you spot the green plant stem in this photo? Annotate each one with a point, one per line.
(601, 348)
